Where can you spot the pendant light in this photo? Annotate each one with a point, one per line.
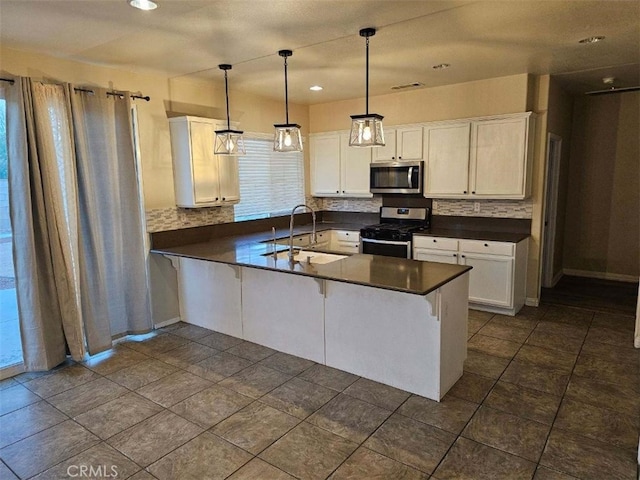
(287, 137)
(228, 142)
(366, 130)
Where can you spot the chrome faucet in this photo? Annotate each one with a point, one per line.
(313, 233)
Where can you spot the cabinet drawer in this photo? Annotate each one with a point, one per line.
(346, 235)
(493, 248)
(346, 247)
(323, 236)
(431, 255)
(435, 243)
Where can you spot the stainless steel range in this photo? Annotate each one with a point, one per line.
(392, 236)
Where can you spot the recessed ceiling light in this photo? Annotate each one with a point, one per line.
(316, 88)
(595, 39)
(143, 4)
(441, 66)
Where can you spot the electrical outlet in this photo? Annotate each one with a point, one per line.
(476, 207)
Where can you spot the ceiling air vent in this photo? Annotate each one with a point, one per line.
(408, 85)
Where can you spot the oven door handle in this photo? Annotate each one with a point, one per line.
(385, 242)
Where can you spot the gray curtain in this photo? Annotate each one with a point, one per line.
(43, 206)
(77, 222)
(113, 278)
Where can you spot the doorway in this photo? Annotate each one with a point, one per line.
(554, 152)
(11, 349)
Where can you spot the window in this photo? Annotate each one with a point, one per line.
(271, 183)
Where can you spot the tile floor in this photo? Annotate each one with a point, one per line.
(550, 394)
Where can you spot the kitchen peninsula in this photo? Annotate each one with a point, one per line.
(397, 321)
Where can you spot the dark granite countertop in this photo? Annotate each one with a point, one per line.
(390, 273)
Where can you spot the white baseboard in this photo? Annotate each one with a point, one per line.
(600, 275)
(556, 279)
(532, 302)
(166, 323)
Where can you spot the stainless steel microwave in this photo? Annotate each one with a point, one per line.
(396, 177)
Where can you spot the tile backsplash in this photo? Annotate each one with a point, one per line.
(173, 218)
(352, 204)
(488, 208)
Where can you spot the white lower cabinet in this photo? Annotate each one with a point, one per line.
(491, 280)
(210, 295)
(345, 241)
(497, 281)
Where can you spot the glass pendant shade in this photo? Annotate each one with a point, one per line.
(228, 142)
(287, 137)
(366, 130)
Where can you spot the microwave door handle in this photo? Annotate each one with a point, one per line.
(409, 175)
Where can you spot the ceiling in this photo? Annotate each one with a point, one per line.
(479, 39)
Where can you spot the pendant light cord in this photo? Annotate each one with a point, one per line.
(226, 93)
(367, 81)
(286, 91)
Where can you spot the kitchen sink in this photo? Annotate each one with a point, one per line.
(306, 256)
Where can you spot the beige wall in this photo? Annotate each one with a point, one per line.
(602, 233)
(255, 114)
(560, 123)
(463, 100)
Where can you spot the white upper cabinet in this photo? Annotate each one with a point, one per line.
(402, 143)
(447, 159)
(499, 157)
(355, 169)
(479, 158)
(338, 170)
(201, 179)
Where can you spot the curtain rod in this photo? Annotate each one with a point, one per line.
(115, 94)
(86, 90)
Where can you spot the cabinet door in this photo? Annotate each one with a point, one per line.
(409, 143)
(355, 169)
(447, 160)
(498, 155)
(388, 152)
(325, 159)
(205, 169)
(440, 256)
(490, 279)
(229, 181)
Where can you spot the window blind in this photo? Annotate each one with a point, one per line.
(271, 183)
